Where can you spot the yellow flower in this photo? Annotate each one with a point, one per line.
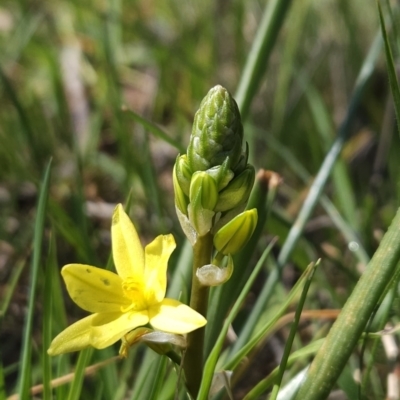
(121, 303)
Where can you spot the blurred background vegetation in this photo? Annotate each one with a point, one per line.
(71, 71)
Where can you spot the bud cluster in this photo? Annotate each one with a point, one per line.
(213, 181)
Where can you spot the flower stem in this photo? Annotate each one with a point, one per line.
(193, 360)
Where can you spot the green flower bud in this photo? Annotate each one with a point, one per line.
(183, 173)
(222, 174)
(238, 190)
(203, 191)
(236, 233)
(203, 198)
(217, 132)
(181, 200)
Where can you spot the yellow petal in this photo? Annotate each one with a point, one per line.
(157, 254)
(175, 317)
(109, 328)
(76, 337)
(94, 289)
(126, 247)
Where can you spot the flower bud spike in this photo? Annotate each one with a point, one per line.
(217, 131)
(236, 233)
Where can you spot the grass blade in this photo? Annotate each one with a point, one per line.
(267, 382)
(323, 174)
(293, 329)
(333, 154)
(274, 15)
(11, 287)
(158, 380)
(47, 319)
(394, 84)
(79, 375)
(24, 381)
(2, 383)
(234, 361)
(155, 130)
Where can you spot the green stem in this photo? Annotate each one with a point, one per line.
(193, 360)
(346, 331)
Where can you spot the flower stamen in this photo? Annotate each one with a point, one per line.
(133, 290)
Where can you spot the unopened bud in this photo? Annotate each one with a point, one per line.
(183, 173)
(222, 174)
(203, 191)
(217, 132)
(238, 190)
(236, 233)
(203, 198)
(181, 199)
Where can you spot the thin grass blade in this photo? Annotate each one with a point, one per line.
(159, 379)
(47, 318)
(293, 329)
(394, 84)
(24, 381)
(267, 382)
(76, 385)
(155, 130)
(268, 327)
(273, 18)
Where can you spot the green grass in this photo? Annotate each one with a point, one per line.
(108, 91)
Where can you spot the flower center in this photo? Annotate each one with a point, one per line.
(133, 290)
